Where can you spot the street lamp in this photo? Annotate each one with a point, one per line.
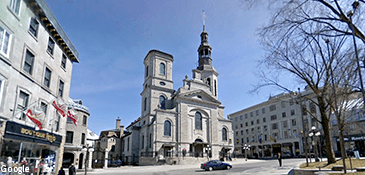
(208, 151)
(246, 148)
(313, 134)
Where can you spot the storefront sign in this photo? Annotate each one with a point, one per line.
(18, 131)
(351, 138)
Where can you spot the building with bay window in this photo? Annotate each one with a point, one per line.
(36, 60)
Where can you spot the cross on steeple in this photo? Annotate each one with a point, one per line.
(203, 17)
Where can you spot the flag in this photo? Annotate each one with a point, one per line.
(36, 115)
(271, 138)
(60, 106)
(71, 114)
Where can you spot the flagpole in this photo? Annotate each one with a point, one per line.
(17, 112)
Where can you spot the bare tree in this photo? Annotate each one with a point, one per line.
(296, 40)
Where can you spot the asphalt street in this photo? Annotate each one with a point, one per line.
(240, 166)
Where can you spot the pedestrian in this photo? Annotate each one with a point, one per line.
(61, 172)
(72, 170)
(279, 159)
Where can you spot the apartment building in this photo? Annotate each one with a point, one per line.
(273, 126)
(36, 60)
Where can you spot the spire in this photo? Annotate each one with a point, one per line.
(204, 50)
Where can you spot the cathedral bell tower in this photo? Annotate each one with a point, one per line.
(205, 70)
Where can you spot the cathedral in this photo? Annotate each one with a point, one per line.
(178, 127)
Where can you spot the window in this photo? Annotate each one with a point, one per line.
(33, 28)
(15, 6)
(69, 136)
(150, 141)
(294, 122)
(69, 120)
(273, 117)
(198, 121)
(146, 72)
(83, 139)
(272, 107)
(285, 124)
(112, 149)
(263, 110)
(304, 109)
(246, 123)
(240, 117)
(292, 112)
(245, 115)
(265, 127)
(162, 102)
(22, 105)
(28, 63)
(142, 141)
(145, 104)
(236, 133)
(291, 102)
(162, 69)
(60, 88)
(241, 132)
(251, 122)
(47, 77)
(283, 104)
(4, 41)
(274, 126)
(50, 46)
(241, 125)
(252, 130)
(247, 131)
(84, 120)
(63, 61)
(44, 107)
(283, 114)
(167, 128)
(128, 144)
(258, 121)
(312, 107)
(2, 83)
(251, 114)
(224, 134)
(257, 112)
(286, 134)
(235, 119)
(263, 120)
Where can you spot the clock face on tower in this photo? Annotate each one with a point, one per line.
(162, 83)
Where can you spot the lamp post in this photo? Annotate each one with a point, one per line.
(246, 147)
(313, 134)
(208, 150)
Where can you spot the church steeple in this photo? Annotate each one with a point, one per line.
(204, 50)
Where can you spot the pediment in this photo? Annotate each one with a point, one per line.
(199, 95)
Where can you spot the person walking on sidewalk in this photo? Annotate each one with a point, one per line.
(279, 159)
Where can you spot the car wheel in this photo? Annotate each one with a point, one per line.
(228, 167)
(210, 168)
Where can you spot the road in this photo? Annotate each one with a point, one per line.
(261, 167)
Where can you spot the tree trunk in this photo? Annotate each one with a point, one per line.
(343, 151)
(326, 130)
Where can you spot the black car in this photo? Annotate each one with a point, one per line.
(215, 165)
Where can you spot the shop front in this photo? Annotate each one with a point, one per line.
(24, 146)
(353, 143)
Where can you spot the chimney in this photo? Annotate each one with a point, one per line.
(118, 123)
(121, 130)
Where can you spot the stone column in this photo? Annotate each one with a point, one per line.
(90, 158)
(106, 158)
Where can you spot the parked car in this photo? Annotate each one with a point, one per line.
(114, 163)
(215, 165)
(287, 155)
(309, 155)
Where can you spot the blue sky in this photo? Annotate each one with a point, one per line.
(114, 36)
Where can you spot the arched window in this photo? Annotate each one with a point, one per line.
(162, 68)
(146, 72)
(167, 128)
(162, 100)
(224, 134)
(142, 141)
(198, 121)
(145, 104)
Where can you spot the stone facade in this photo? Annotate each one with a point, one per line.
(180, 126)
(76, 137)
(36, 60)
